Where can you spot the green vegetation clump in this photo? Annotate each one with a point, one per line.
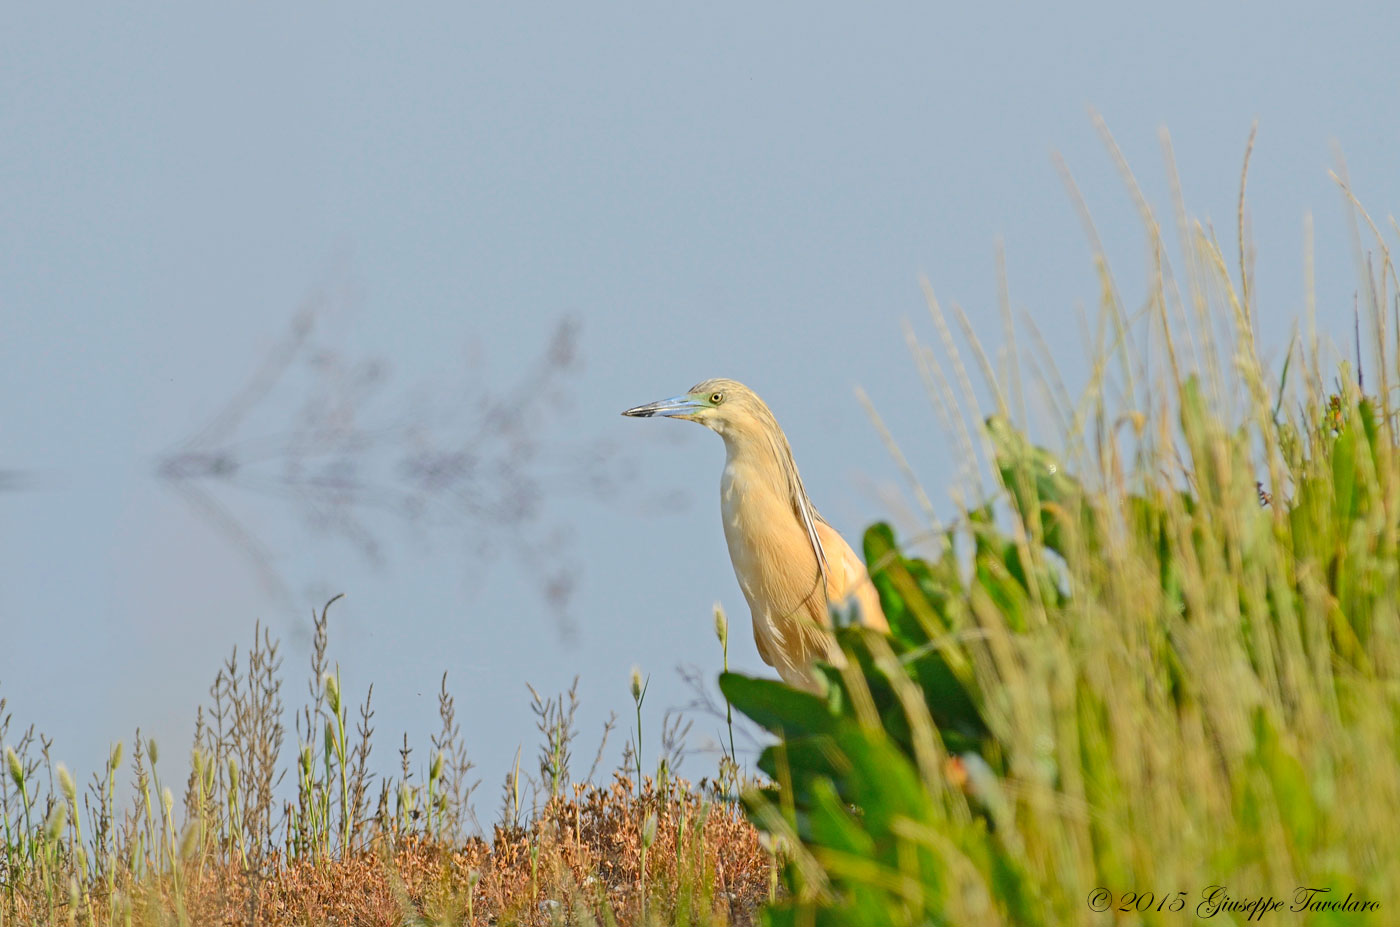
(1154, 677)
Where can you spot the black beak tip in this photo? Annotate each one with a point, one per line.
(639, 412)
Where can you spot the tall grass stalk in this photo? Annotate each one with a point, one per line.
(722, 633)
(638, 688)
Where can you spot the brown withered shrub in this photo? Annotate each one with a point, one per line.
(244, 852)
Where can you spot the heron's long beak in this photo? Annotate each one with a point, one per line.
(675, 407)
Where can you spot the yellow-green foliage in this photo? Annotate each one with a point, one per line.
(1167, 659)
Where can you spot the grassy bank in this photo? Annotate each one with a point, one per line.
(249, 838)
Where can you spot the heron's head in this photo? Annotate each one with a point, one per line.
(725, 406)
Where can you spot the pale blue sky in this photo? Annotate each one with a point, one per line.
(741, 191)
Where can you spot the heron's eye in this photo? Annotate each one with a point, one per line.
(716, 398)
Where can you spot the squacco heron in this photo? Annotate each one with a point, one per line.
(792, 566)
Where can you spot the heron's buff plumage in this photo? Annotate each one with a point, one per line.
(791, 565)
(762, 500)
(778, 573)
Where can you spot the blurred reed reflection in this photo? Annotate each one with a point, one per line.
(478, 458)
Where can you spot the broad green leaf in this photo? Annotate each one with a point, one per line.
(776, 706)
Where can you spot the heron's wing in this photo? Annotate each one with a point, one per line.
(814, 535)
(807, 514)
(849, 580)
